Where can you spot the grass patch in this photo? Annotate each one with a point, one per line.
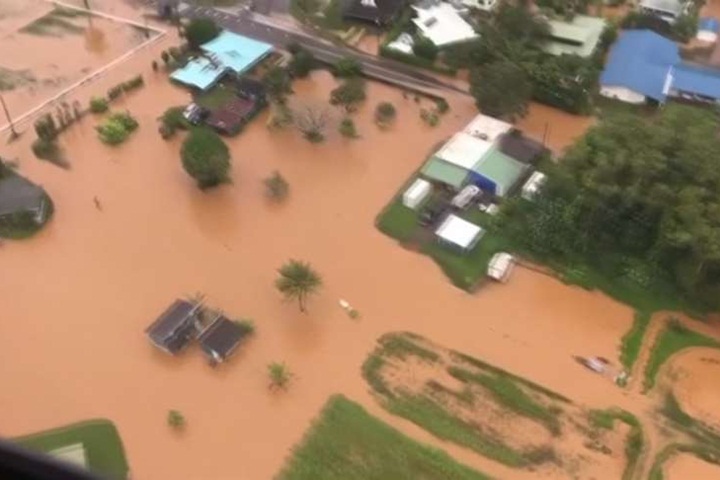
(632, 340)
(346, 442)
(371, 372)
(55, 24)
(218, 96)
(401, 346)
(437, 420)
(464, 270)
(512, 397)
(673, 339)
(103, 447)
(499, 371)
(635, 440)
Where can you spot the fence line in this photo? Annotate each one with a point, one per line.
(92, 76)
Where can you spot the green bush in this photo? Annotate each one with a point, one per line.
(98, 105)
(173, 118)
(423, 47)
(114, 92)
(133, 83)
(347, 67)
(347, 128)
(205, 157)
(45, 149)
(117, 128)
(429, 117)
(385, 113)
(201, 30)
(442, 105)
(45, 127)
(302, 63)
(276, 187)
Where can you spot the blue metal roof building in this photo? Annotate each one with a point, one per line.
(650, 65)
(709, 24)
(226, 52)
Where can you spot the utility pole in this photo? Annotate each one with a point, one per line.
(14, 133)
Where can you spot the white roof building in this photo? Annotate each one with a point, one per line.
(487, 128)
(418, 191)
(442, 24)
(459, 233)
(403, 43)
(464, 150)
(501, 266)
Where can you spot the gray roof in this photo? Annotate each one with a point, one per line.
(175, 327)
(19, 195)
(221, 337)
(674, 7)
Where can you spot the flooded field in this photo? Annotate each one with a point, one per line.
(103, 276)
(687, 467)
(45, 49)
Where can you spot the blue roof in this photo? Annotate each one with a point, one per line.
(235, 51)
(200, 73)
(640, 61)
(228, 51)
(696, 80)
(709, 24)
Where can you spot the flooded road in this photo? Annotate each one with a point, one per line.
(687, 467)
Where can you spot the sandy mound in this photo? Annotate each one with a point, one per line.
(694, 375)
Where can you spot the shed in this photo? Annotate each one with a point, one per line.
(418, 191)
(516, 145)
(443, 172)
(459, 233)
(501, 266)
(708, 29)
(175, 328)
(533, 185)
(230, 118)
(20, 196)
(220, 339)
(497, 173)
(579, 36)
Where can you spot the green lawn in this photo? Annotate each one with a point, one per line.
(216, 97)
(635, 441)
(464, 270)
(632, 340)
(103, 447)
(346, 443)
(673, 339)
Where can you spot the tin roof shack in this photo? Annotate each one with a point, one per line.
(222, 337)
(176, 327)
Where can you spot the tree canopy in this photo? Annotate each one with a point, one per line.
(277, 83)
(301, 63)
(201, 30)
(639, 196)
(349, 94)
(205, 157)
(501, 89)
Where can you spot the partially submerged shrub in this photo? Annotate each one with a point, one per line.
(133, 83)
(280, 116)
(279, 375)
(98, 105)
(205, 157)
(49, 150)
(246, 325)
(117, 128)
(45, 127)
(347, 128)
(430, 117)
(171, 121)
(385, 113)
(347, 67)
(276, 187)
(175, 419)
(442, 105)
(114, 92)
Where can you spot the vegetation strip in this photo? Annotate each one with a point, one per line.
(674, 338)
(635, 441)
(632, 341)
(346, 441)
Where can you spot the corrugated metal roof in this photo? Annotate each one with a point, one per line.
(709, 24)
(696, 80)
(444, 172)
(504, 171)
(579, 36)
(640, 60)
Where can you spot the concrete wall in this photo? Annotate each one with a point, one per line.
(623, 94)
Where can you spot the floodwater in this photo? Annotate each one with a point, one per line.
(687, 467)
(77, 297)
(694, 375)
(60, 58)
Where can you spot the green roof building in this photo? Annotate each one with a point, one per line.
(438, 170)
(497, 173)
(580, 36)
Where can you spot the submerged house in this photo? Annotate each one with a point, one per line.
(643, 65)
(21, 199)
(226, 53)
(221, 338)
(176, 327)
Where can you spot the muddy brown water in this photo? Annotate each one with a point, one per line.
(77, 297)
(687, 467)
(694, 374)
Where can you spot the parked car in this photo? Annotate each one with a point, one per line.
(432, 213)
(466, 196)
(195, 114)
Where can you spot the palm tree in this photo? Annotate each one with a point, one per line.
(298, 280)
(279, 375)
